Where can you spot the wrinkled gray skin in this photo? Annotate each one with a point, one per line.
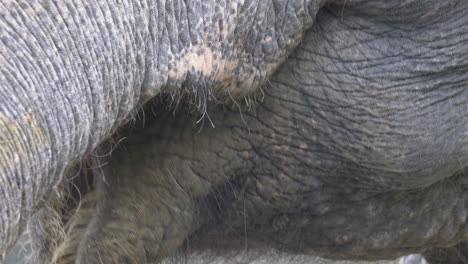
(356, 152)
(74, 71)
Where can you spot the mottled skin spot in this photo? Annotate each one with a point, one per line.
(13, 139)
(232, 49)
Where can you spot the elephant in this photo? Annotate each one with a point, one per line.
(73, 72)
(333, 128)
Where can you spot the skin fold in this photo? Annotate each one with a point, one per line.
(358, 149)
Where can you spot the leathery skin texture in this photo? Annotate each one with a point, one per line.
(344, 158)
(73, 71)
(358, 150)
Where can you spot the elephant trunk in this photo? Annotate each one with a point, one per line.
(71, 73)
